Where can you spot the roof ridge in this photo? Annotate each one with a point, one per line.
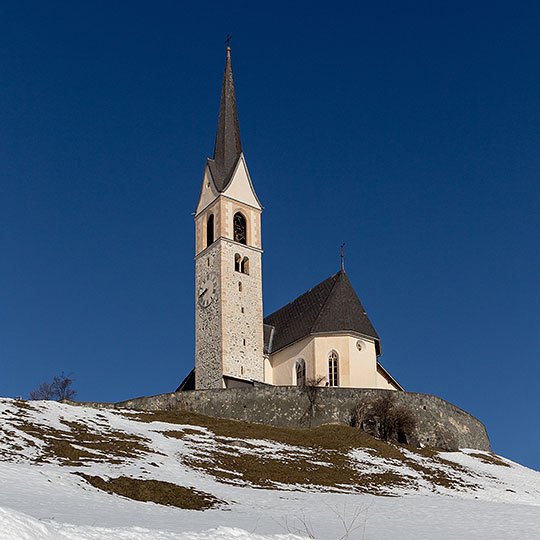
(300, 296)
(330, 306)
(336, 275)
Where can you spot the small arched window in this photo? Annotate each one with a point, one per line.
(210, 230)
(240, 228)
(333, 369)
(300, 369)
(237, 262)
(244, 266)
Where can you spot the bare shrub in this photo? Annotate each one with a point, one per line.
(43, 391)
(311, 389)
(385, 419)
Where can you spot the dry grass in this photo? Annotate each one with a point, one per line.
(327, 465)
(80, 446)
(249, 454)
(491, 459)
(180, 434)
(331, 436)
(155, 491)
(332, 471)
(21, 404)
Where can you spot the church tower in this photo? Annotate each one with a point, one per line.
(228, 279)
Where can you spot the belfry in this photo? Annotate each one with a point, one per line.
(228, 281)
(323, 337)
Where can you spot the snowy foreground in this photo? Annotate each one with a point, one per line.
(43, 445)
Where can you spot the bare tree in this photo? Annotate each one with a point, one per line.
(43, 391)
(62, 387)
(59, 388)
(311, 389)
(385, 419)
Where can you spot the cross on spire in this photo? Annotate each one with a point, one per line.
(342, 257)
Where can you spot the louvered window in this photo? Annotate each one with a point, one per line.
(240, 228)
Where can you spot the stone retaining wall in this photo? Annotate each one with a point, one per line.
(438, 423)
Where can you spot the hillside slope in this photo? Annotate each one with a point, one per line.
(76, 473)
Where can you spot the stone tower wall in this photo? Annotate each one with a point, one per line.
(242, 329)
(208, 344)
(229, 332)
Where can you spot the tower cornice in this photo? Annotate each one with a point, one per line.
(231, 242)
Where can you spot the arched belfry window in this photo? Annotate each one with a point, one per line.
(210, 230)
(300, 369)
(333, 360)
(240, 228)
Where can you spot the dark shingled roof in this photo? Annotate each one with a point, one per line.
(228, 145)
(331, 306)
(188, 383)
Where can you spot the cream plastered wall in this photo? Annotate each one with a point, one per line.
(239, 196)
(283, 362)
(356, 368)
(383, 382)
(240, 187)
(201, 222)
(223, 210)
(268, 377)
(208, 190)
(228, 208)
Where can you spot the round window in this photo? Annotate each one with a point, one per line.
(359, 345)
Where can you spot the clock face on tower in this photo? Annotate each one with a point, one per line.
(207, 290)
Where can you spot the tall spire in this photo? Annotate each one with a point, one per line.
(228, 146)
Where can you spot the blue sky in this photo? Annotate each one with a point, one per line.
(409, 131)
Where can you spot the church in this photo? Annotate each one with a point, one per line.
(323, 337)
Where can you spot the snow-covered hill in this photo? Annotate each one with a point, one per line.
(78, 473)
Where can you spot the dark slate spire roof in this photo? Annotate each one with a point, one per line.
(331, 306)
(228, 145)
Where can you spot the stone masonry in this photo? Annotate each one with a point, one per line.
(208, 344)
(242, 333)
(438, 423)
(229, 332)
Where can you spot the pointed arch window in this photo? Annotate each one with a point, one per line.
(333, 361)
(244, 266)
(240, 228)
(237, 262)
(210, 230)
(300, 369)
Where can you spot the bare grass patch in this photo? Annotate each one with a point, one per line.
(79, 446)
(155, 491)
(236, 459)
(490, 459)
